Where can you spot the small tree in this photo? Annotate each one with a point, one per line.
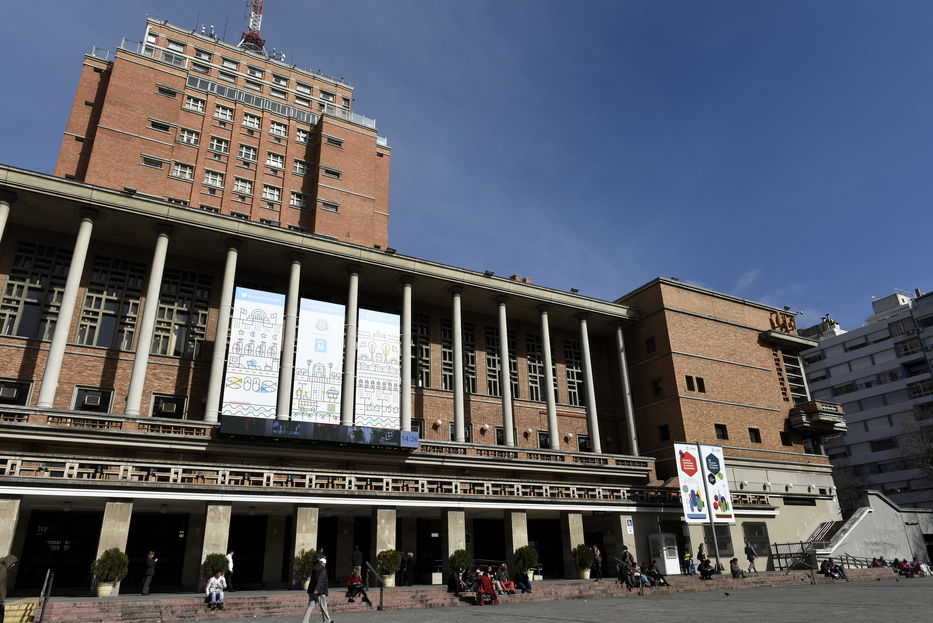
(213, 563)
(111, 567)
(526, 558)
(461, 559)
(390, 561)
(583, 556)
(303, 563)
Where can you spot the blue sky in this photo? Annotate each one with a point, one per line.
(778, 151)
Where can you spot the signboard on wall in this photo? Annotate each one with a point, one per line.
(315, 431)
(378, 370)
(703, 472)
(252, 377)
(316, 388)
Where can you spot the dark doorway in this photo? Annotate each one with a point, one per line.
(66, 543)
(166, 535)
(489, 540)
(545, 536)
(428, 547)
(596, 538)
(327, 540)
(362, 536)
(248, 541)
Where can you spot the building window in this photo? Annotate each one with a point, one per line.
(298, 200)
(111, 303)
(167, 92)
(467, 432)
(175, 46)
(701, 385)
(786, 439)
(32, 295)
(204, 55)
(303, 101)
(500, 435)
(152, 37)
(282, 81)
(584, 443)
(242, 186)
(220, 145)
(492, 361)
(201, 69)
(183, 171)
(93, 399)
(469, 357)
(879, 445)
(255, 72)
(158, 125)
(303, 88)
(447, 355)
(214, 178)
(329, 206)
(254, 122)
(189, 137)
(346, 102)
(229, 63)
(754, 435)
(696, 384)
(247, 152)
(301, 136)
(722, 431)
(334, 142)
(417, 425)
(723, 538)
(421, 350)
(300, 167)
(276, 161)
(664, 432)
(14, 392)
(691, 386)
(168, 406)
(270, 222)
(278, 129)
(250, 84)
(920, 389)
(908, 347)
(223, 113)
(155, 163)
(573, 366)
(271, 193)
(656, 388)
(535, 367)
(181, 320)
(278, 93)
(195, 104)
(650, 345)
(795, 381)
(544, 439)
(327, 96)
(227, 76)
(328, 172)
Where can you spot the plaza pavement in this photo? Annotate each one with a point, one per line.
(853, 602)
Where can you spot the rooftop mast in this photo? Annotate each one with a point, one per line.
(252, 40)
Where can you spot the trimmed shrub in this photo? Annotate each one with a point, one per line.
(461, 559)
(390, 561)
(583, 556)
(526, 558)
(112, 566)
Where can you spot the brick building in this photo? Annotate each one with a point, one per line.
(117, 426)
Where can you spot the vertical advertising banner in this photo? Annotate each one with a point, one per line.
(378, 370)
(714, 471)
(318, 362)
(252, 378)
(692, 492)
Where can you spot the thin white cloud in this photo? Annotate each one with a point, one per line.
(748, 278)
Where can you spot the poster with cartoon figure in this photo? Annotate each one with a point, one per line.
(692, 492)
(378, 370)
(252, 377)
(316, 387)
(714, 472)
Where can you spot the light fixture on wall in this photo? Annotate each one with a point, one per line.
(528, 432)
(767, 486)
(485, 427)
(743, 484)
(163, 509)
(568, 436)
(437, 423)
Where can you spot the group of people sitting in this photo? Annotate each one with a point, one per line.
(831, 569)
(633, 575)
(913, 569)
(488, 584)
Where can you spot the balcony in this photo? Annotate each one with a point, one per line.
(818, 417)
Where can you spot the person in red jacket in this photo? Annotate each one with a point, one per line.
(355, 587)
(485, 587)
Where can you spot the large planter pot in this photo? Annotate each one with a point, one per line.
(388, 581)
(584, 574)
(105, 589)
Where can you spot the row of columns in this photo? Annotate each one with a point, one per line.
(148, 319)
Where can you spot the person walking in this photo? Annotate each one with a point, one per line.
(5, 565)
(598, 563)
(317, 591)
(751, 555)
(229, 575)
(151, 561)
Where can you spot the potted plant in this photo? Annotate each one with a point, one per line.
(461, 559)
(212, 564)
(583, 556)
(390, 561)
(302, 565)
(526, 558)
(109, 569)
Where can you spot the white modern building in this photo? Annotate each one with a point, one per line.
(881, 374)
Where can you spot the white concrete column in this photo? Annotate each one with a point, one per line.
(571, 527)
(115, 528)
(516, 533)
(215, 384)
(349, 347)
(306, 524)
(453, 534)
(134, 395)
(216, 530)
(287, 360)
(626, 392)
(384, 527)
(53, 366)
(550, 401)
(459, 420)
(405, 354)
(6, 201)
(505, 378)
(9, 519)
(591, 416)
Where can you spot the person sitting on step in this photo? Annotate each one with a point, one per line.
(355, 588)
(484, 588)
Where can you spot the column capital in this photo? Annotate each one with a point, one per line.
(501, 299)
(582, 316)
(543, 308)
(164, 229)
(455, 290)
(89, 214)
(296, 256)
(354, 269)
(8, 196)
(406, 279)
(234, 243)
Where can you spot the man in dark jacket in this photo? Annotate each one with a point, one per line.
(151, 561)
(317, 591)
(5, 565)
(356, 560)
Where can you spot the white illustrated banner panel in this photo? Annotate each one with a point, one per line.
(378, 370)
(252, 378)
(692, 492)
(714, 471)
(318, 362)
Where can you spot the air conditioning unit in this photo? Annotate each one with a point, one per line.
(168, 407)
(8, 393)
(92, 400)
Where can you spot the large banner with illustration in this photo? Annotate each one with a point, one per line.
(700, 472)
(316, 389)
(252, 378)
(378, 370)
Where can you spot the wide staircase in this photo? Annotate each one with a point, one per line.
(188, 607)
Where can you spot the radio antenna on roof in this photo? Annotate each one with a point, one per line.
(252, 40)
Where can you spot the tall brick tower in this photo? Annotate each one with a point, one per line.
(185, 117)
